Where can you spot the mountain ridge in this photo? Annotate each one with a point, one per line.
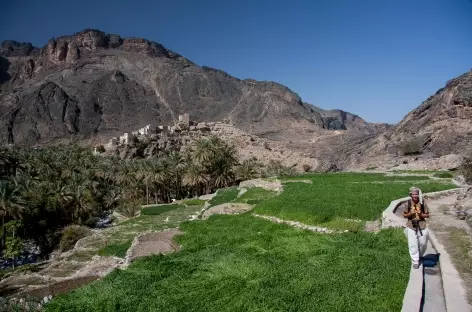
(120, 83)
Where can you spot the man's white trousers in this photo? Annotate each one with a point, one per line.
(417, 243)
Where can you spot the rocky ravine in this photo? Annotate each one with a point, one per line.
(440, 128)
(97, 84)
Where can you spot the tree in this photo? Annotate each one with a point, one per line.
(195, 178)
(11, 203)
(14, 244)
(247, 170)
(177, 167)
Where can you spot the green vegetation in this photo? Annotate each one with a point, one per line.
(466, 169)
(224, 196)
(71, 234)
(117, 250)
(158, 209)
(116, 240)
(242, 263)
(276, 168)
(29, 303)
(342, 195)
(47, 189)
(193, 202)
(443, 174)
(412, 147)
(348, 177)
(255, 195)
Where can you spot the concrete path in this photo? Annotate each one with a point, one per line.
(433, 293)
(439, 288)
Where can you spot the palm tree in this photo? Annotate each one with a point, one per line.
(111, 198)
(246, 171)
(11, 203)
(202, 151)
(126, 176)
(177, 166)
(195, 177)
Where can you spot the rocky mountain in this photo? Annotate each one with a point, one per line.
(435, 135)
(441, 125)
(93, 84)
(337, 119)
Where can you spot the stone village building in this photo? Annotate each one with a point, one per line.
(149, 129)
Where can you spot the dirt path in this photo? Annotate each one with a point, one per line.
(455, 235)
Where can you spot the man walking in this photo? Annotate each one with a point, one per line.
(416, 211)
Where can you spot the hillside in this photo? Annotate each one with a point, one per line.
(442, 123)
(95, 84)
(437, 134)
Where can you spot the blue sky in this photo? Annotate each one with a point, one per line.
(375, 58)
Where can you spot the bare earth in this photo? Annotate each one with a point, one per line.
(227, 208)
(455, 235)
(153, 243)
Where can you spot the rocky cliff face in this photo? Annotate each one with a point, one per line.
(337, 119)
(438, 133)
(441, 125)
(96, 84)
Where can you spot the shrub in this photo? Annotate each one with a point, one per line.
(306, 167)
(412, 147)
(276, 168)
(466, 169)
(101, 148)
(248, 170)
(71, 234)
(129, 208)
(28, 303)
(92, 221)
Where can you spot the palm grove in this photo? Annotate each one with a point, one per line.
(45, 190)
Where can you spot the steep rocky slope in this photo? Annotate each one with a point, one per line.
(437, 134)
(96, 84)
(337, 119)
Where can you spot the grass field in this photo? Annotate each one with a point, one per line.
(114, 241)
(117, 250)
(444, 174)
(422, 171)
(255, 195)
(331, 198)
(193, 202)
(243, 263)
(158, 209)
(224, 196)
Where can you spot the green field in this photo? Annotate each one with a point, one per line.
(114, 241)
(158, 209)
(243, 263)
(254, 196)
(334, 197)
(225, 195)
(117, 250)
